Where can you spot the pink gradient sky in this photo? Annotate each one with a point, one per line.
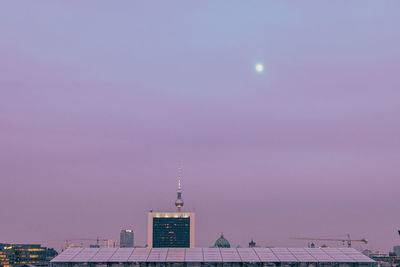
(99, 100)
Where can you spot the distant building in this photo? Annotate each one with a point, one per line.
(222, 242)
(126, 238)
(171, 229)
(19, 254)
(384, 259)
(252, 244)
(396, 250)
(110, 243)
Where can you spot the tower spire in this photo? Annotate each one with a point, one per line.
(179, 177)
(179, 201)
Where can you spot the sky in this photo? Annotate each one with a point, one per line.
(100, 100)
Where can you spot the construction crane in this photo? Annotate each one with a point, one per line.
(68, 241)
(348, 240)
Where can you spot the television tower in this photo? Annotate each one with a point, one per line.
(179, 201)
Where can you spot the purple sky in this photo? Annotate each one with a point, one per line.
(99, 100)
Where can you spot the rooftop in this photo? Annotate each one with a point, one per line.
(273, 255)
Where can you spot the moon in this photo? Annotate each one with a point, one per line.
(259, 67)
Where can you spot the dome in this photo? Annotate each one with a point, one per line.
(222, 242)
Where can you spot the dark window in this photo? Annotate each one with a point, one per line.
(171, 232)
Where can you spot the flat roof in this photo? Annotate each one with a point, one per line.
(104, 255)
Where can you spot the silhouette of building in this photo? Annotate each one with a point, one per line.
(252, 244)
(171, 229)
(126, 238)
(222, 242)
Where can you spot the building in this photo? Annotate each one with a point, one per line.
(213, 257)
(384, 259)
(109, 243)
(222, 242)
(19, 254)
(126, 238)
(171, 229)
(252, 244)
(396, 250)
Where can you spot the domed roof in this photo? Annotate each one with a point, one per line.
(222, 242)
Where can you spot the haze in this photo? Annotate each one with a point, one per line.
(100, 100)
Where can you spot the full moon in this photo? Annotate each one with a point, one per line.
(259, 67)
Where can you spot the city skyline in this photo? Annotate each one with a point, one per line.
(286, 117)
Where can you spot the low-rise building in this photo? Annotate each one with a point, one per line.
(19, 254)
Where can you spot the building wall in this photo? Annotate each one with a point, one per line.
(7, 257)
(126, 239)
(171, 229)
(171, 232)
(13, 254)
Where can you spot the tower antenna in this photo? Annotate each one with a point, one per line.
(179, 201)
(179, 176)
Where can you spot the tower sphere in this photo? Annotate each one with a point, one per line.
(179, 203)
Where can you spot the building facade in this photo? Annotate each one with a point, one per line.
(126, 238)
(18, 254)
(171, 230)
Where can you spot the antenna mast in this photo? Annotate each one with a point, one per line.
(179, 201)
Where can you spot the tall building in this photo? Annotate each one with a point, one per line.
(17, 254)
(171, 229)
(126, 238)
